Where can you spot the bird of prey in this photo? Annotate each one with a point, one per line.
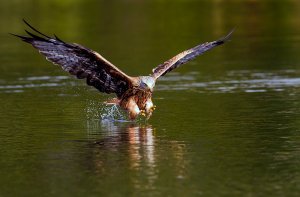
(134, 94)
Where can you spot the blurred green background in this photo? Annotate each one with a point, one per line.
(227, 123)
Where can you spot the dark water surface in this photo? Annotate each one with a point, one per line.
(226, 124)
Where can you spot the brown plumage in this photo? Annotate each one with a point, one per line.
(133, 93)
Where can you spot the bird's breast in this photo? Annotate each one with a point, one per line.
(140, 96)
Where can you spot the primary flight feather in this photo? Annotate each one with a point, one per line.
(134, 94)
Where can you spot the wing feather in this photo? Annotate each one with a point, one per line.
(81, 62)
(186, 56)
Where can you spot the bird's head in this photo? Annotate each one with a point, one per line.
(147, 82)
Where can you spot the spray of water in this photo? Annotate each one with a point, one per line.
(105, 112)
(112, 112)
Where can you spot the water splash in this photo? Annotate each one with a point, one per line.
(105, 112)
(113, 113)
(92, 110)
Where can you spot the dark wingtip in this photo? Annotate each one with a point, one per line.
(35, 36)
(228, 36)
(225, 38)
(57, 38)
(34, 29)
(24, 21)
(14, 35)
(23, 38)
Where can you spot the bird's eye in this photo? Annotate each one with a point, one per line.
(143, 85)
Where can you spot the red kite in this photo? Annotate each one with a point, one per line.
(133, 93)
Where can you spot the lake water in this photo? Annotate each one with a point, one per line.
(226, 124)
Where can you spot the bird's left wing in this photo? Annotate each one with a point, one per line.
(186, 56)
(81, 62)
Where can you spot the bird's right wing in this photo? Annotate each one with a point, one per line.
(81, 62)
(186, 56)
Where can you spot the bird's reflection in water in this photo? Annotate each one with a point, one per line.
(141, 143)
(132, 148)
(127, 145)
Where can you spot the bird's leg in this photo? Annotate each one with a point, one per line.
(153, 108)
(143, 112)
(149, 108)
(133, 109)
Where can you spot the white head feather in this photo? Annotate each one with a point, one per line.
(149, 81)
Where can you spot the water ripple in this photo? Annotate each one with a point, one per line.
(240, 81)
(44, 78)
(232, 81)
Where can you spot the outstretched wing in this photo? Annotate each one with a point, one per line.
(81, 62)
(186, 56)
